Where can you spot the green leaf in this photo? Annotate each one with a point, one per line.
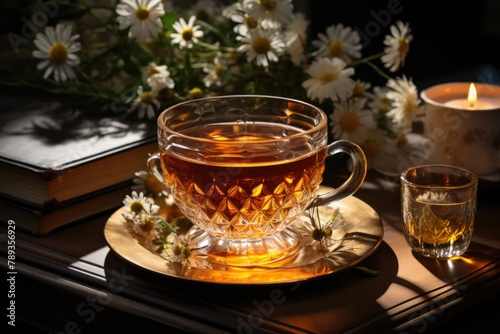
(168, 20)
(187, 62)
(364, 271)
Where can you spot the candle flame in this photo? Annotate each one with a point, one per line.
(472, 96)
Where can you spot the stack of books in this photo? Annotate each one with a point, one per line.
(61, 163)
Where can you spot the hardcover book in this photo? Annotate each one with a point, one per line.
(41, 221)
(55, 151)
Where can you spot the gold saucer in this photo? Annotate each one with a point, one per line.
(360, 235)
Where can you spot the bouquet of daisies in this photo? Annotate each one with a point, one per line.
(137, 57)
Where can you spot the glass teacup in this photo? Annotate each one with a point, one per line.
(244, 168)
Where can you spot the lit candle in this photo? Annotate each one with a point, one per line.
(473, 102)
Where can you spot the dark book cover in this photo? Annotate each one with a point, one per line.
(55, 149)
(41, 221)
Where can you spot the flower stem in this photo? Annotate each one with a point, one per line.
(379, 71)
(367, 59)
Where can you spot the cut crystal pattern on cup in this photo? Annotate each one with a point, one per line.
(438, 205)
(245, 207)
(244, 168)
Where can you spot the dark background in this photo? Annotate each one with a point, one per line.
(452, 40)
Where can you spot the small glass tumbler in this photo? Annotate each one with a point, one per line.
(438, 204)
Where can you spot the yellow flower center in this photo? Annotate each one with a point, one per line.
(187, 34)
(404, 47)
(147, 226)
(142, 14)
(268, 4)
(261, 45)
(136, 207)
(178, 250)
(371, 148)
(154, 70)
(219, 71)
(328, 77)
(409, 106)
(358, 90)
(182, 250)
(336, 49)
(349, 121)
(154, 185)
(146, 98)
(250, 22)
(58, 53)
(196, 93)
(383, 107)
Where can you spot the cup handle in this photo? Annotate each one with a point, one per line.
(154, 165)
(355, 180)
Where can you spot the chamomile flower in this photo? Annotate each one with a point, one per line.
(183, 251)
(141, 16)
(372, 145)
(352, 120)
(146, 225)
(298, 25)
(137, 202)
(57, 48)
(215, 72)
(295, 36)
(325, 228)
(330, 79)
(145, 104)
(245, 22)
(157, 77)
(143, 223)
(279, 11)
(146, 182)
(377, 145)
(187, 33)
(380, 103)
(339, 41)
(361, 89)
(261, 46)
(196, 93)
(405, 101)
(397, 46)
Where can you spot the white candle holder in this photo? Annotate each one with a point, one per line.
(459, 134)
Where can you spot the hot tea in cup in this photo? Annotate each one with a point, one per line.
(244, 168)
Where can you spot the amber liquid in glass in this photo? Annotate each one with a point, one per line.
(244, 187)
(439, 230)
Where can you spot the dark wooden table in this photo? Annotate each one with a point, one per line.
(71, 282)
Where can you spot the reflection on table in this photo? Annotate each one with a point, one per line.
(410, 293)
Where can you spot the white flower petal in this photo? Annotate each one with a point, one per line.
(61, 34)
(140, 29)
